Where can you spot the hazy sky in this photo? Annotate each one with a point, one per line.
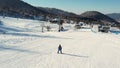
(79, 6)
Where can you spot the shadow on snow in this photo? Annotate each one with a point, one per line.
(16, 49)
(9, 29)
(73, 55)
(33, 35)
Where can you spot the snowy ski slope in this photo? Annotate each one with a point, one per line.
(24, 46)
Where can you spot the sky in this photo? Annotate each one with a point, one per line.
(80, 6)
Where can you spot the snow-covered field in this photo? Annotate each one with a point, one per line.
(24, 46)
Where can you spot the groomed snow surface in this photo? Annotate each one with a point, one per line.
(24, 46)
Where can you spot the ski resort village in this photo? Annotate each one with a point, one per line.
(38, 37)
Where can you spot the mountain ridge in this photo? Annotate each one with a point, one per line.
(115, 16)
(99, 16)
(19, 8)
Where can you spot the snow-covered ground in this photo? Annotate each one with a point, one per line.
(24, 46)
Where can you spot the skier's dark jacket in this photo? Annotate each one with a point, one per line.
(60, 47)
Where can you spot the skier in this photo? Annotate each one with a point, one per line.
(59, 49)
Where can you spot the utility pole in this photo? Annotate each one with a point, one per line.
(42, 25)
(59, 22)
